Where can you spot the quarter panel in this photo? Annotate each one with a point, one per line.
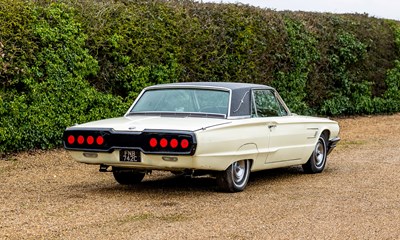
(241, 139)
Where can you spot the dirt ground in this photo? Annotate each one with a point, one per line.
(48, 196)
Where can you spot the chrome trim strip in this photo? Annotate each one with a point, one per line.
(332, 144)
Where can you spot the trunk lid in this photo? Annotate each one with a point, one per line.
(140, 123)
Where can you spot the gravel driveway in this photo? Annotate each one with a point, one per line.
(46, 195)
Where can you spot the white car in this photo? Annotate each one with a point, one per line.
(226, 130)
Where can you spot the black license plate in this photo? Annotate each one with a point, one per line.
(129, 156)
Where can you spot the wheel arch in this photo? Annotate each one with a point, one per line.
(314, 163)
(248, 151)
(324, 132)
(327, 133)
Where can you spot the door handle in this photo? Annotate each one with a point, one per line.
(271, 126)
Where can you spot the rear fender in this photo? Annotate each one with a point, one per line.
(247, 151)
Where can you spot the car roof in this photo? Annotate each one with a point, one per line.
(227, 85)
(240, 98)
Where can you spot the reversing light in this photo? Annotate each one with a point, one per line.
(153, 142)
(71, 139)
(90, 155)
(184, 143)
(170, 159)
(81, 140)
(90, 140)
(99, 140)
(163, 142)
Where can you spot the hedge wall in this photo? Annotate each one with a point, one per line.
(69, 62)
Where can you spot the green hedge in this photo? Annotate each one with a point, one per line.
(69, 62)
(45, 67)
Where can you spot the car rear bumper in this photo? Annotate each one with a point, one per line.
(332, 144)
(155, 162)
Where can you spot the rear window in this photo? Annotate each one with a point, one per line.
(183, 101)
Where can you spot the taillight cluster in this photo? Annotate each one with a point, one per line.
(81, 140)
(107, 140)
(169, 143)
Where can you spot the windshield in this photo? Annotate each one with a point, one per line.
(197, 101)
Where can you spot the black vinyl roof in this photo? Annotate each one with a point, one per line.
(240, 98)
(227, 85)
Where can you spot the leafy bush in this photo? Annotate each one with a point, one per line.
(348, 96)
(51, 92)
(299, 58)
(391, 98)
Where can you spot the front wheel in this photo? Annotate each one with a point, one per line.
(235, 177)
(316, 163)
(126, 176)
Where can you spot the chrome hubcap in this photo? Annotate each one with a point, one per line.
(238, 171)
(319, 154)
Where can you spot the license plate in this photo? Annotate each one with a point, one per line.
(129, 156)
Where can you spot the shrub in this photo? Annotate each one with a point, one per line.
(52, 92)
(300, 58)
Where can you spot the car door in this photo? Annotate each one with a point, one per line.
(286, 137)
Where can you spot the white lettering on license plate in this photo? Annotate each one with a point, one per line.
(129, 156)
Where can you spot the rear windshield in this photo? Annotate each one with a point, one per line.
(183, 101)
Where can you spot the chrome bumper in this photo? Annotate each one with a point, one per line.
(332, 144)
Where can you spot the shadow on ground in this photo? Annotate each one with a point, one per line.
(179, 183)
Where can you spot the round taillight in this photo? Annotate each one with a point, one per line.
(163, 142)
(71, 139)
(153, 142)
(173, 143)
(81, 139)
(184, 143)
(90, 140)
(99, 140)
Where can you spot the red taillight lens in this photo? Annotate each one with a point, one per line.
(184, 143)
(90, 140)
(71, 139)
(153, 142)
(81, 140)
(99, 140)
(173, 143)
(163, 142)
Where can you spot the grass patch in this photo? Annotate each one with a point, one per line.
(351, 143)
(175, 217)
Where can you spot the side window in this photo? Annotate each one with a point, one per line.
(265, 104)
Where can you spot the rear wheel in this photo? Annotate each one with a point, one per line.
(317, 161)
(126, 176)
(235, 177)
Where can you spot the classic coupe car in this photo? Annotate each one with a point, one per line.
(226, 130)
